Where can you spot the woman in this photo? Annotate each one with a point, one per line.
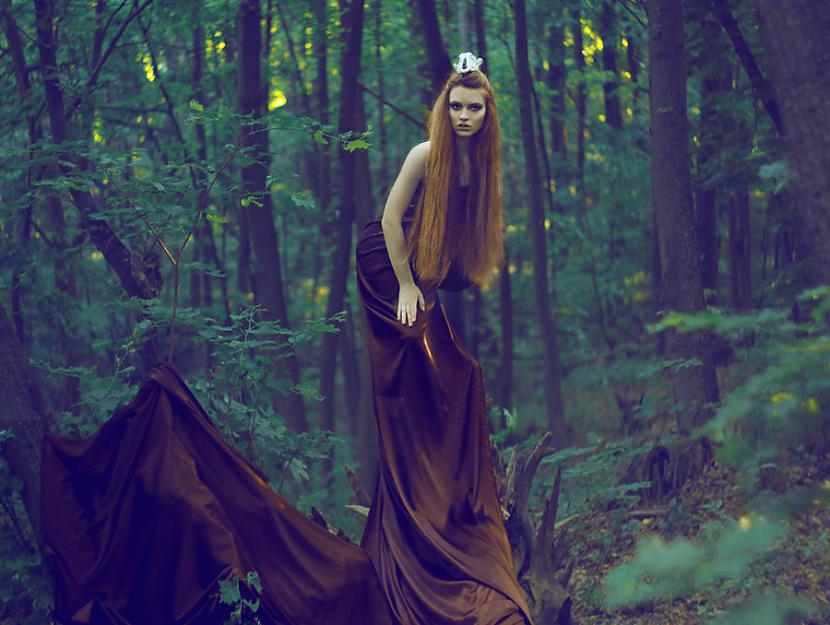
(435, 532)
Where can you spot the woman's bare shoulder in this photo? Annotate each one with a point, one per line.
(421, 151)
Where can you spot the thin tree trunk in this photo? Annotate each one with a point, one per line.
(681, 289)
(716, 81)
(580, 102)
(556, 83)
(259, 211)
(740, 275)
(349, 108)
(552, 380)
(608, 33)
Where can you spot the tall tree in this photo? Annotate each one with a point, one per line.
(350, 110)
(794, 36)
(681, 289)
(552, 380)
(259, 210)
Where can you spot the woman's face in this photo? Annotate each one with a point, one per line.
(467, 110)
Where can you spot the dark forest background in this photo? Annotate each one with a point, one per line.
(184, 181)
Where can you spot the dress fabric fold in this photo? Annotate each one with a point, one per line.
(142, 519)
(435, 531)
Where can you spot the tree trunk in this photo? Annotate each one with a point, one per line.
(716, 81)
(138, 272)
(740, 275)
(506, 318)
(439, 60)
(259, 211)
(579, 102)
(552, 380)
(349, 189)
(681, 288)
(556, 83)
(794, 36)
(26, 415)
(608, 33)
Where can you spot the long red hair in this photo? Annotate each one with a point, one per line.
(472, 236)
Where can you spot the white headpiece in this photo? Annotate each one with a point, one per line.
(467, 62)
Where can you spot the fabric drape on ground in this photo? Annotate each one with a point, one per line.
(142, 520)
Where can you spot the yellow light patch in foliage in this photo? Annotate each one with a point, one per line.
(96, 256)
(277, 100)
(322, 292)
(591, 42)
(637, 278)
(601, 117)
(139, 119)
(572, 189)
(586, 133)
(629, 112)
(826, 485)
(639, 296)
(511, 268)
(511, 228)
(624, 43)
(334, 71)
(758, 193)
(781, 396)
(552, 185)
(626, 74)
(811, 405)
(249, 296)
(273, 27)
(148, 68)
(647, 521)
(546, 65)
(308, 45)
(745, 522)
(308, 30)
(547, 224)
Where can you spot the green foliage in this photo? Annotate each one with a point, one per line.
(785, 402)
(682, 567)
(241, 594)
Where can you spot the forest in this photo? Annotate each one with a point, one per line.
(184, 181)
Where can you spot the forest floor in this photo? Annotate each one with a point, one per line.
(798, 565)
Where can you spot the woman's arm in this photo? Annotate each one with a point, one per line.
(400, 195)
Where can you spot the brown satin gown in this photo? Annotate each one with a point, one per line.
(435, 531)
(142, 520)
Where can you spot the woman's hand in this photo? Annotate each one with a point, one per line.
(409, 298)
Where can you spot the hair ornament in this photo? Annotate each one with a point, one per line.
(467, 62)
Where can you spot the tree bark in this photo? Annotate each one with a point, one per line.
(26, 415)
(259, 212)
(716, 81)
(681, 287)
(552, 380)
(794, 36)
(439, 60)
(608, 33)
(349, 189)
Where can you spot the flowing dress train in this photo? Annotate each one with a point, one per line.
(435, 531)
(142, 519)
